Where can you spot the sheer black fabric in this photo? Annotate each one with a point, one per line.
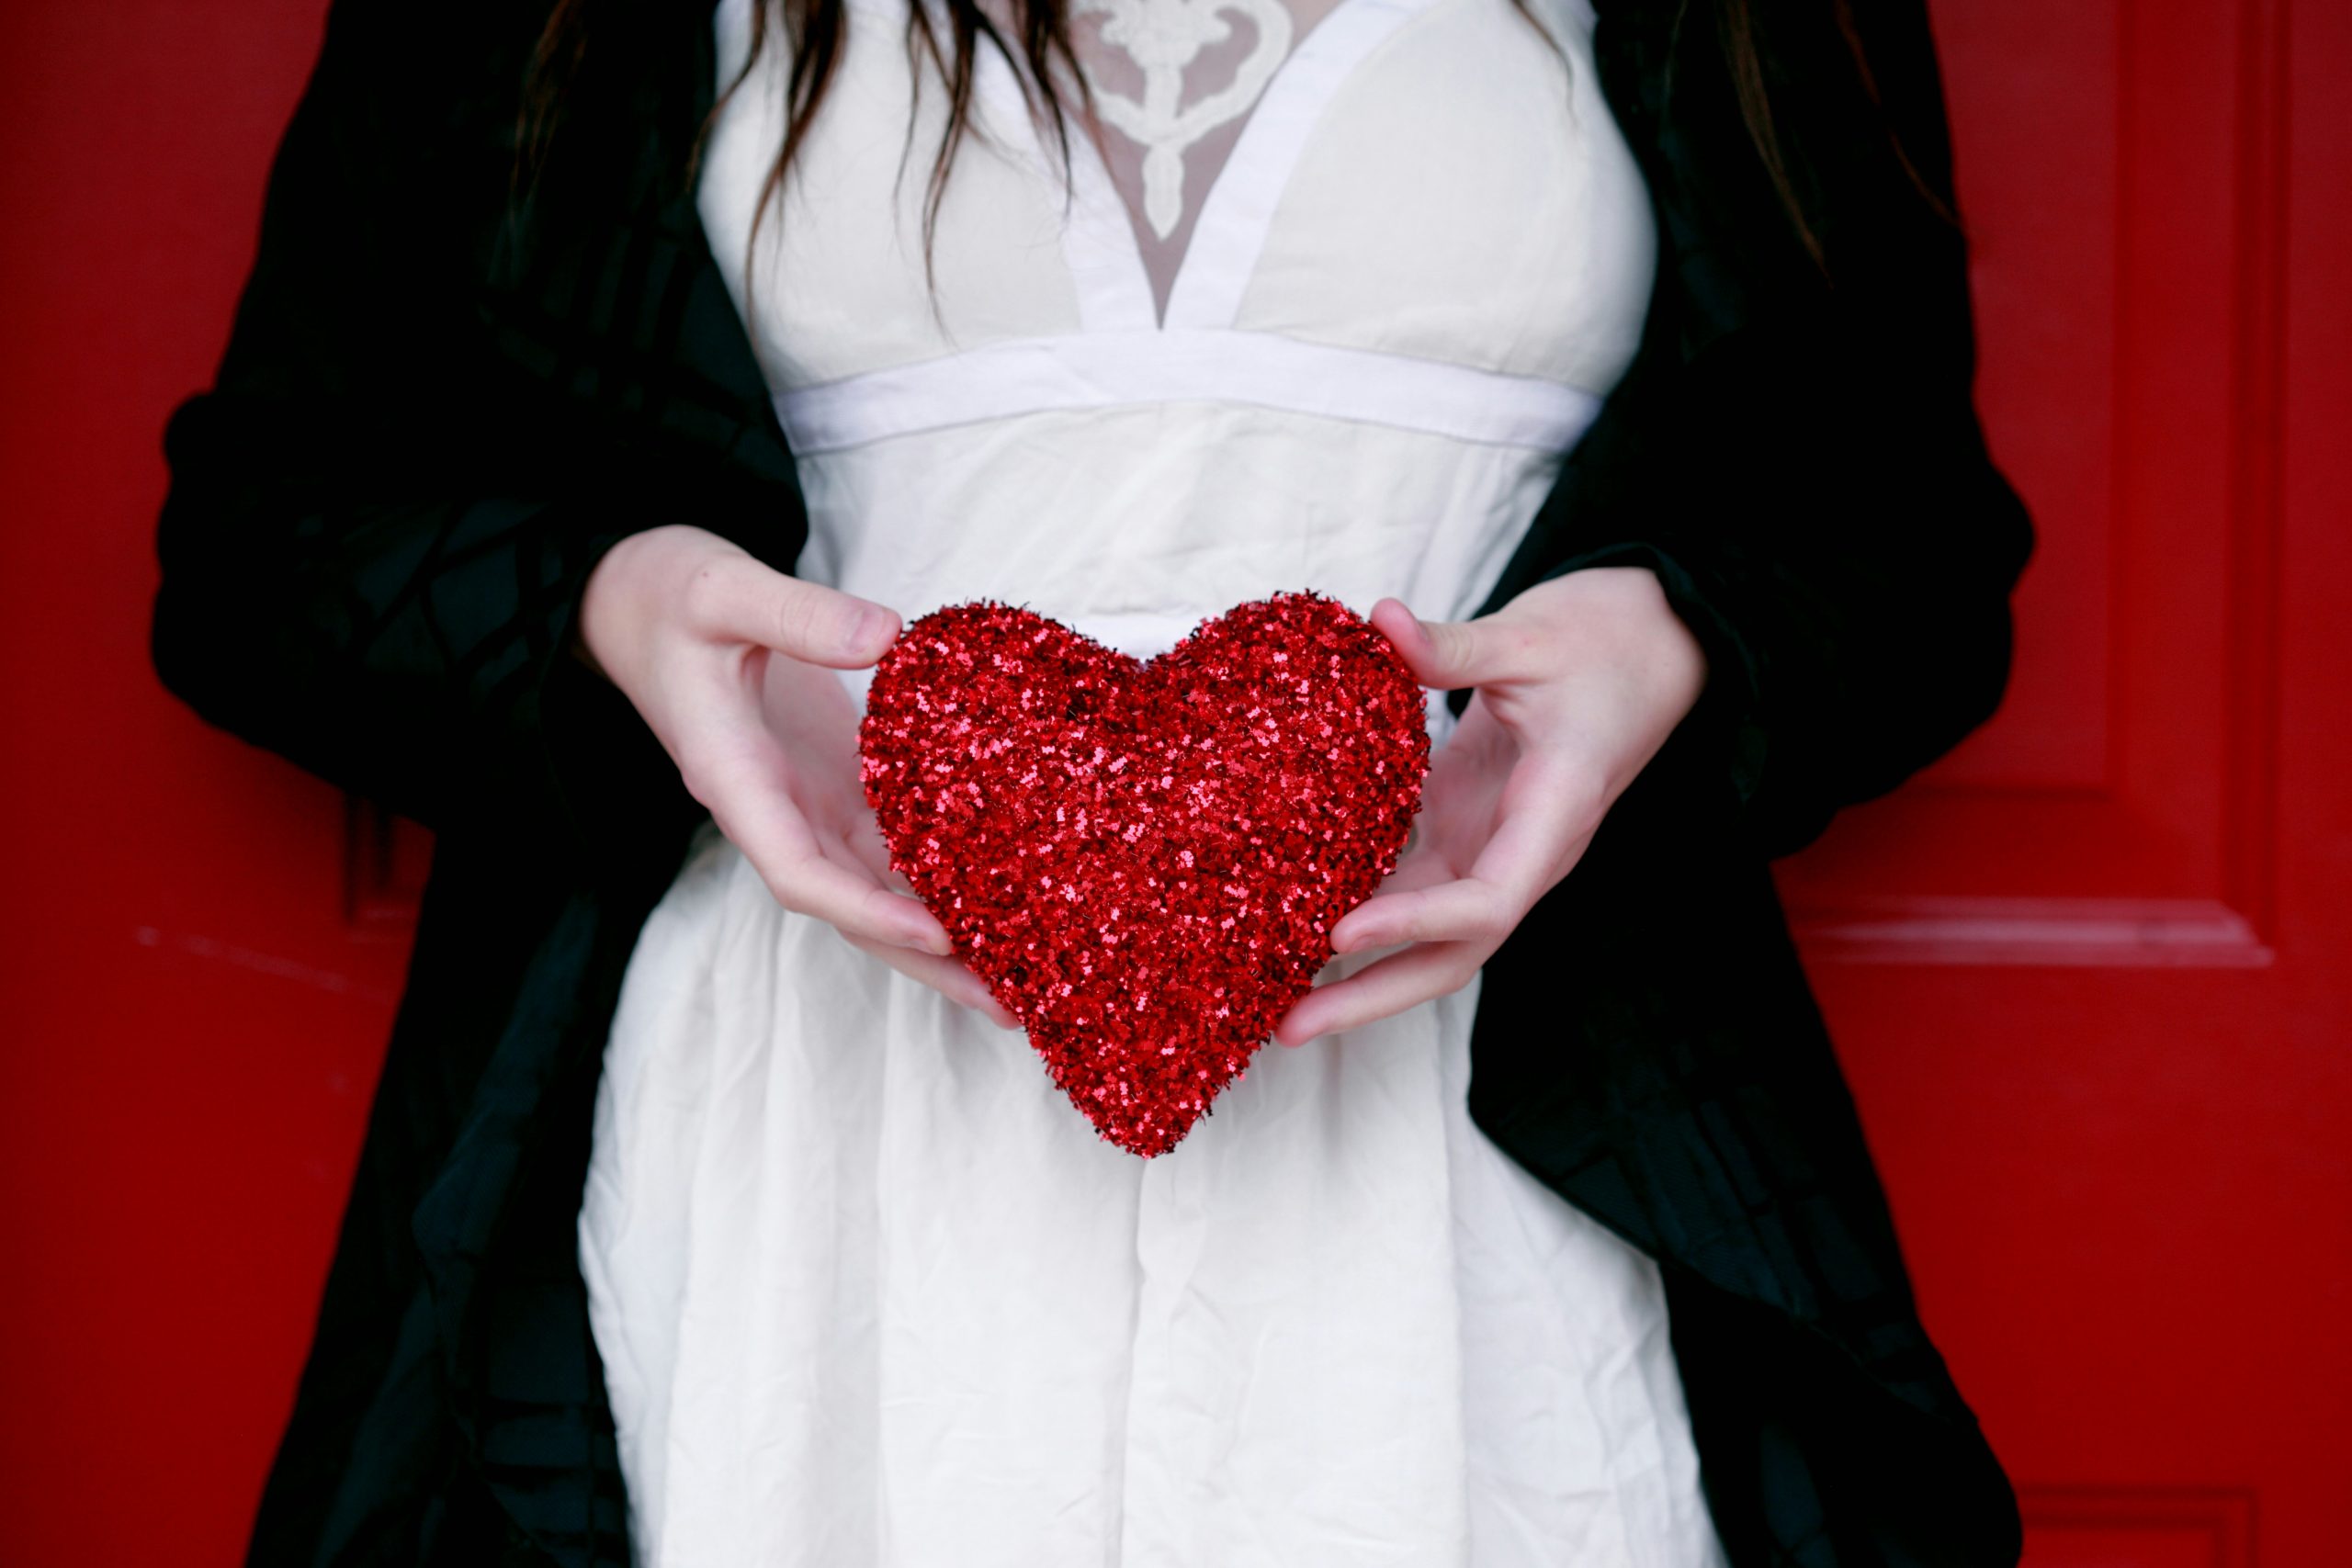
(430, 422)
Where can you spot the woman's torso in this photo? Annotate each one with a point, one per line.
(866, 1289)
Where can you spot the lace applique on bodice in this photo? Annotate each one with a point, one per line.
(1173, 81)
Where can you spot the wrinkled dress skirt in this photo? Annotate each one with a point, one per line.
(869, 1289)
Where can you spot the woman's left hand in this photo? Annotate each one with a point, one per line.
(1579, 681)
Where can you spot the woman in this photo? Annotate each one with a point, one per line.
(490, 518)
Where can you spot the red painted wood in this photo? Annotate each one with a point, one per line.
(2088, 979)
(192, 1028)
(2176, 1527)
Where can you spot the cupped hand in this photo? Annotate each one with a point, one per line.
(730, 664)
(1579, 681)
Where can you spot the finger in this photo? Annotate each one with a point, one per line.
(736, 596)
(865, 845)
(1543, 818)
(761, 819)
(1547, 814)
(1417, 868)
(949, 977)
(1398, 982)
(1449, 655)
(942, 973)
(859, 906)
(1465, 909)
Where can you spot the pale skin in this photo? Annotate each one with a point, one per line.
(1577, 683)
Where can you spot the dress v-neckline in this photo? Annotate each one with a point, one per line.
(1120, 352)
(1099, 241)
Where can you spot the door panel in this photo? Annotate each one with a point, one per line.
(2086, 975)
(2116, 167)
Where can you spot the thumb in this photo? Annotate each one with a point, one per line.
(1443, 655)
(747, 599)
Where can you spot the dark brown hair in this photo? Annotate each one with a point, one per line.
(1744, 57)
(814, 36)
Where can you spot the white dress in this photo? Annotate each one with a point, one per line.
(867, 1289)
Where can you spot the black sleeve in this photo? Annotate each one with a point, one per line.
(377, 528)
(1800, 461)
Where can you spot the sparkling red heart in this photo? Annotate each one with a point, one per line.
(1143, 860)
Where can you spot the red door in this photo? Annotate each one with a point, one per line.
(2091, 976)
(2088, 977)
(196, 974)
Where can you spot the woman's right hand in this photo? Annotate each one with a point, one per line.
(731, 664)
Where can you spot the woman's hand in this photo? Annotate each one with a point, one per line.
(731, 664)
(1579, 681)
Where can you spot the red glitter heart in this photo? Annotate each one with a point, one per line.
(1144, 861)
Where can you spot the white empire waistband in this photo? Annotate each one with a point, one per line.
(1110, 370)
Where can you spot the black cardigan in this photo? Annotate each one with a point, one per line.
(431, 420)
